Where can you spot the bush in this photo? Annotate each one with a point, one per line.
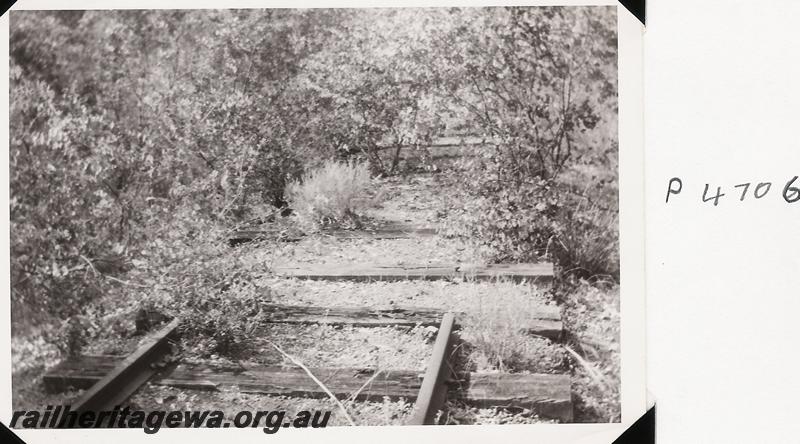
(213, 289)
(548, 103)
(332, 195)
(222, 322)
(530, 221)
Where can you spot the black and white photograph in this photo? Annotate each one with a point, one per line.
(306, 218)
(394, 222)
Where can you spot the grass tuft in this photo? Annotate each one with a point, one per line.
(494, 339)
(332, 195)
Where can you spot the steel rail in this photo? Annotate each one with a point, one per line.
(433, 392)
(126, 377)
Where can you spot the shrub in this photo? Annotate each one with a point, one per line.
(222, 322)
(212, 288)
(548, 103)
(530, 221)
(332, 195)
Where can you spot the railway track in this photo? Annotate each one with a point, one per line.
(109, 380)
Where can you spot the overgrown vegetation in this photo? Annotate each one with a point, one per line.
(120, 150)
(548, 102)
(592, 316)
(494, 338)
(331, 195)
(205, 112)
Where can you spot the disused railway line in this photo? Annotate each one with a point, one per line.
(110, 380)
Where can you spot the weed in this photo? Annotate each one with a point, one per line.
(592, 318)
(586, 244)
(494, 339)
(331, 195)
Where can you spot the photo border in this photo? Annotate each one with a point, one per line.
(632, 256)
